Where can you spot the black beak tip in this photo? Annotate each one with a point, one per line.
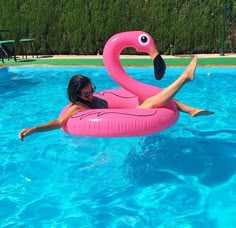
(159, 67)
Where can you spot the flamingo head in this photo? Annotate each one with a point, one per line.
(142, 42)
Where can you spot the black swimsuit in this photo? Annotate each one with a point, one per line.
(98, 103)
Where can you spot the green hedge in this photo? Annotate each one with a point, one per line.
(83, 27)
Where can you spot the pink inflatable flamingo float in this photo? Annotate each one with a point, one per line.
(122, 118)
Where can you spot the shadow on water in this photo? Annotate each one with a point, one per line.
(166, 159)
(17, 86)
(14, 84)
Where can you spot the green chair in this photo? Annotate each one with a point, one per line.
(7, 49)
(27, 44)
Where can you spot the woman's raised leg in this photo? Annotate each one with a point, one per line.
(169, 92)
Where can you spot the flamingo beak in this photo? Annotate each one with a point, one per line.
(159, 67)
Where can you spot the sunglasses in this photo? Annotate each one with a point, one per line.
(87, 94)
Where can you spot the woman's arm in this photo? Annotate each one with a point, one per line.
(51, 125)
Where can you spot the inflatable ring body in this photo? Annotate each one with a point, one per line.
(123, 118)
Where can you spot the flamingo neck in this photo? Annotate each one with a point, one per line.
(115, 69)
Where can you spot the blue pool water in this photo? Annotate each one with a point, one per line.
(182, 177)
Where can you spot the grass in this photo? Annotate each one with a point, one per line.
(219, 61)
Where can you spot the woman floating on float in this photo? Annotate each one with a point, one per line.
(135, 109)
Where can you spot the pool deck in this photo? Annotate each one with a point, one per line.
(228, 60)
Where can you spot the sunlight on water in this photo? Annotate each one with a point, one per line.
(182, 177)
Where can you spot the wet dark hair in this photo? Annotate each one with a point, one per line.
(76, 84)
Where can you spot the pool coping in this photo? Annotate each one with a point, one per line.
(134, 61)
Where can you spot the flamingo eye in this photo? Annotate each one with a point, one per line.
(143, 39)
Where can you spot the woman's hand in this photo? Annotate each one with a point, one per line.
(25, 132)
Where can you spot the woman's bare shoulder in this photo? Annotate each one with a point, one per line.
(70, 111)
(77, 107)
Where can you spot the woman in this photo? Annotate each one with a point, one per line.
(80, 93)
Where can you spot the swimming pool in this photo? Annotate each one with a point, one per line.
(181, 177)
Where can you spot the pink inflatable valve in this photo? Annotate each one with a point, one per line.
(122, 118)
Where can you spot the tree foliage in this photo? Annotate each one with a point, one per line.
(83, 27)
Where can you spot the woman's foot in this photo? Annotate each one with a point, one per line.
(199, 112)
(190, 70)
(192, 111)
